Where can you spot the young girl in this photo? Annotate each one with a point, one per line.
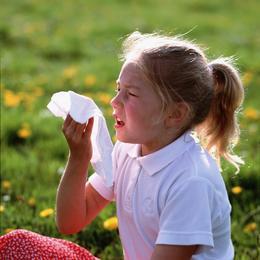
(171, 199)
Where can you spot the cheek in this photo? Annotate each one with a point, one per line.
(142, 115)
(134, 115)
(140, 118)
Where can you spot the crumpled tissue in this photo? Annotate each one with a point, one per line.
(82, 108)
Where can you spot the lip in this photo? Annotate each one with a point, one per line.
(117, 126)
(119, 123)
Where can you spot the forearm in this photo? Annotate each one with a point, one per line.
(70, 202)
(174, 252)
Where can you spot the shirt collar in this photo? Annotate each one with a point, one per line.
(154, 162)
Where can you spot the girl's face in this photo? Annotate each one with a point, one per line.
(137, 110)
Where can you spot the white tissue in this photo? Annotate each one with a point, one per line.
(82, 108)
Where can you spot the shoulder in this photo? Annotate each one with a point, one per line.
(188, 170)
(200, 163)
(194, 174)
(202, 167)
(197, 172)
(195, 164)
(192, 187)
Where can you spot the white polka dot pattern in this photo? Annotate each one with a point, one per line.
(24, 244)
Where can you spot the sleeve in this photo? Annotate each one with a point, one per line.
(186, 218)
(97, 182)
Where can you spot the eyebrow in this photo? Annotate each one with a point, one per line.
(127, 85)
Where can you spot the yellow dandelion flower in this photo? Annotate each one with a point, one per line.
(251, 113)
(11, 99)
(90, 80)
(31, 202)
(25, 131)
(250, 227)
(2, 208)
(70, 72)
(6, 185)
(46, 213)
(247, 78)
(104, 98)
(111, 223)
(236, 190)
(8, 230)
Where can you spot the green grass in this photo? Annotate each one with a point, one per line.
(39, 39)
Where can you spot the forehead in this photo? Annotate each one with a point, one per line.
(131, 74)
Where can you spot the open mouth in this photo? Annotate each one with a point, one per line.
(119, 123)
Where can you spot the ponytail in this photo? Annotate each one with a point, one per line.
(220, 129)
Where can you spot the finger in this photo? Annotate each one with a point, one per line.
(89, 127)
(79, 129)
(71, 127)
(67, 121)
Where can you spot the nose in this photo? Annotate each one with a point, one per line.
(116, 101)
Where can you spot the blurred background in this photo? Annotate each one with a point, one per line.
(50, 46)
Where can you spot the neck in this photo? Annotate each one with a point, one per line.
(157, 144)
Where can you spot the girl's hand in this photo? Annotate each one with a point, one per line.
(78, 138)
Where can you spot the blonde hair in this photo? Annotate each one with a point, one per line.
(180, 72)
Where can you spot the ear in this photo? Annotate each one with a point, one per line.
(177, 115)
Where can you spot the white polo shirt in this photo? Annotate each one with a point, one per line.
(174, 196)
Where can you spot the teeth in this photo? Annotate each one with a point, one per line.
(119, 121)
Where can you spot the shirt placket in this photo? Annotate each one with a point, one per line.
(132, 185)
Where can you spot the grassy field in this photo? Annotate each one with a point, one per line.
(74, 45)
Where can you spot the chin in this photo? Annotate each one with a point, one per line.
(126, 139)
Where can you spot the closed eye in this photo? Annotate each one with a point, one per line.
(131, 94)
(128, 92)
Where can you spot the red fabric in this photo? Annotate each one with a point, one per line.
(23, 244)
